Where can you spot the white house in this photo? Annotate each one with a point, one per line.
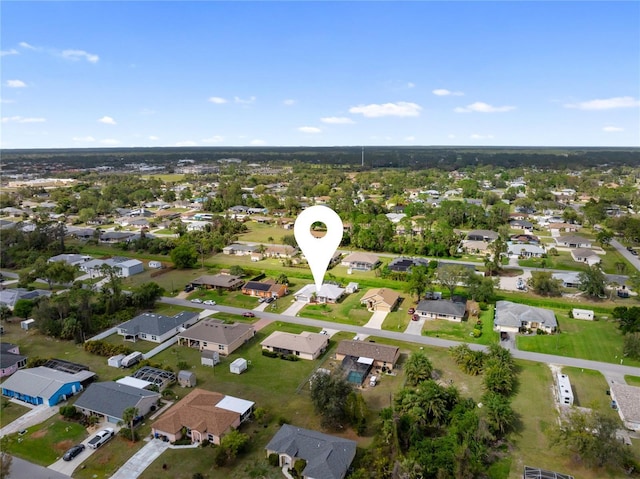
(582, 314)
(329, 293)
(565, 394)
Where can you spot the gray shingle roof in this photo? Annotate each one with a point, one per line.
(359, 349)
(328, 457)
(111, 398)
(442, 307)
(42, 382)
(155, 324)
(514, 314)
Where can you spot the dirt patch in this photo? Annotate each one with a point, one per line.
(63, 445)
(39, 434)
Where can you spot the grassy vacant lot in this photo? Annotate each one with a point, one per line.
(632, 380)
(463, 331)
(10, 411)
(596, 340)
(172, 280)
(589, 389)
(45, 443)
(348, 311)
(260, 233)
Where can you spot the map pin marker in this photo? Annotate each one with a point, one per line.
(318, 251)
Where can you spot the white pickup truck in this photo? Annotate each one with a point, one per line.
(100, 438)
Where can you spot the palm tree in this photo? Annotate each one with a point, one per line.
(128, 416)
(418, 368)
(500, 415)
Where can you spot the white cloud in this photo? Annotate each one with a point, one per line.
(21, 119)
(476, 136)
(411, 85)
(27, 46)
(410, 138)
(76, 55)
(242, 101)
(107, 120)
(445, 92)
(289, 102)
(147, 111)
(337, 120)
(612, 129)
(257, 142)
(15, 84)
(217, 100)
(213, 139)
(605, 104)
(4, 53)
(84, 139)
(309, 129)
(451, 136)
(153, 138)
(109, 141)
(6, 100)
(482, 107)
(186, 143)
(401, 109)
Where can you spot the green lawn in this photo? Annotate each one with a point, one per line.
(260, 233)
(142, 346)
(45, 443)
(398, 320)
(172, 280)
(595, 340)
(348, 311)
(10, 411)
(632, 380)
(589, 390)
(463, 331)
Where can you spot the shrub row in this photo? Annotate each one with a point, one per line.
(103, 348)
(286, 357)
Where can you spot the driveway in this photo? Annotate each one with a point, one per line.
(377, 318)
(294, 309)
(415, 327)
(37, 415)
(141, 460)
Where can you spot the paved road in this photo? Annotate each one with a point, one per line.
(634, 260)
(21, 469)
(604, 368)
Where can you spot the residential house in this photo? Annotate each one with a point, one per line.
(203, 415)
(361, 261)
(239, 249)
(557, 228)
(476, 247)
(9, 297)
(44, 385)
(442, 309)
(280, 251)
(215, 335)
(70, 259)
(305, 345)
(404, 265)
(156, 328)
(265, 289)
(627, 400)
(482, 235)
(570, 279)
(382, 356)
(109, 400)
(514, 317)
(584, 255)
(381, 299)
(115, 236)
(573, 242)
(326, 457)
(525, 238)
(523, 225)
(226, 282)
(352, 287)
(525, 250)
(329, 293)
(10, 359)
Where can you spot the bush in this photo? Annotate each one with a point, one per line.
(68, 412)
(128, 434)
(477, 333)
(299, 466)
(274, 460)
(269, 354)
(105, 349)
(282, 420)
(205, 443)
(197, 475)
(483, 306)
(290, 357)
(183, 365)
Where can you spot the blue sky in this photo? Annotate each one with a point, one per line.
(105, 74)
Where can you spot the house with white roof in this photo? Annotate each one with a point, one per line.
(44, 385)
(329, 293)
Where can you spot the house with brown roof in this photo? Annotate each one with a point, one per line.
(305, 345)
(218, 281)
(265, 289)
(203, 415)
(562, 228)
(280, 251)
(381, 299)
(361, 261)
(215, 335)
(381, 356)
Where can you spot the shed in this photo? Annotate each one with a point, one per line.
(582, 314)
(186, 379)
(238, 366)
(115, 361)
(155, 264)
(28, 324)
(209, 358)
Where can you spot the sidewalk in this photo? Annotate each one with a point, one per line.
(141, 460)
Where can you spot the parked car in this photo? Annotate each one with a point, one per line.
(261, 300)
(269, 300)
(188, 288)
(101, 437)
(415, 317)
(411, 310)
(209, 302)
(196, 300)
(248, 314)
(73, 452)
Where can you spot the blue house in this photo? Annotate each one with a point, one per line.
(43, 385)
